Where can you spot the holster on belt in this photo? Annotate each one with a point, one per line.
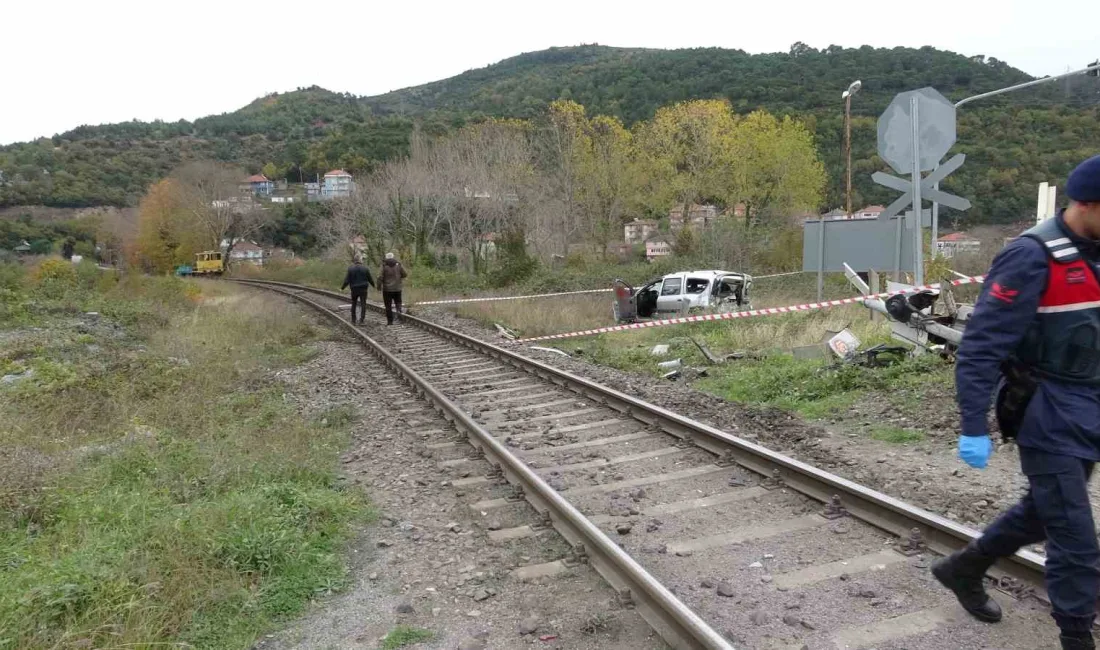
(1014, 392)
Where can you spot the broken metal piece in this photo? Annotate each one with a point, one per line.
(675, 374)
(834, 509)
(774, 481)
(913, 544)
(710, 356)
(577, 555)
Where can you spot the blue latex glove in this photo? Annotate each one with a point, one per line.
(975, 450)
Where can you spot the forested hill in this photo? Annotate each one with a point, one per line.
(633, 83)
(1012, 142)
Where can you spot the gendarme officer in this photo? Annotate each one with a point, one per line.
(1034, 342)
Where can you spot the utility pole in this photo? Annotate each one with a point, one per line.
(853, 88)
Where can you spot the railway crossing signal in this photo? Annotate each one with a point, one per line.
(927, 190)
(914, 132)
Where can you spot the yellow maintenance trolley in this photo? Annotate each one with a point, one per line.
(206, 263)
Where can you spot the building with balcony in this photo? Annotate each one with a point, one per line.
(639, 230)
(337, 184)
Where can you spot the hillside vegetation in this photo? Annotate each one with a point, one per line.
(1012, 142)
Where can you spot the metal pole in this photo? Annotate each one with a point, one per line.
(935, 220)
(1035, 82)
(848, 151)
(967, 100)
(821, 261)
(918, 244)
(897, 246)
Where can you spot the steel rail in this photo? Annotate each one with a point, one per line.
(674, 621)
(876, 508)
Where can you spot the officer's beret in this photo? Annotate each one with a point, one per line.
(1083, 183)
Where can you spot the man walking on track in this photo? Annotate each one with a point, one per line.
(359, 279)
(391, 276)
(1035, 335)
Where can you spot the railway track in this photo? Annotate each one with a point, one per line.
(716, 541)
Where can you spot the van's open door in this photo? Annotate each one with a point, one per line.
(624, 308)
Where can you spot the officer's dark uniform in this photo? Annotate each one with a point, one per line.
(1039, 311)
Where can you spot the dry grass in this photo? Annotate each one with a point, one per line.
(538, 316)
(175, 497)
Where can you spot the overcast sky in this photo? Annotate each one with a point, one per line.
(73, 62)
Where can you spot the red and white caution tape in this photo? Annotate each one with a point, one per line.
(776, 275)
(748, 314)
(493, 298)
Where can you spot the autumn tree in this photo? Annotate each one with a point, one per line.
(165, 237)
(686, 153)
(777, 173)
(606, 179)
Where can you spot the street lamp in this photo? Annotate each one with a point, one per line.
(853, 88)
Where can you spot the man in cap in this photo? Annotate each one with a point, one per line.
(1035, 337)
(391, 276)
(359, 279)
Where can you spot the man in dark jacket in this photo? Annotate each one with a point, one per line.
(391, 276)
(359, 279)
(1035, 331)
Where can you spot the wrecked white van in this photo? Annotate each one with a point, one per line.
(682, 293)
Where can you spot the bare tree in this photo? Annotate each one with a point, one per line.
(214, 201)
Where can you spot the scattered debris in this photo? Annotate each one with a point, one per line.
(505, 332)
(711, 358)
(552, 350)
(659, 350)
(844, 344)
(674, 364)
(11, 379)
(624, 528)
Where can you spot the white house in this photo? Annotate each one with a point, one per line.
(957, 243)
(246, 251)
(337, 184)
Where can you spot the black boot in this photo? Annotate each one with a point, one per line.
(962, 573)
(1078, 642)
